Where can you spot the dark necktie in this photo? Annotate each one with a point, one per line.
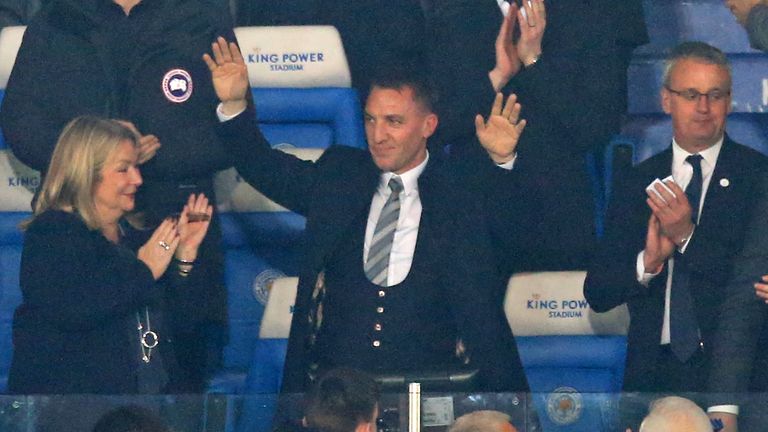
(377, 266)
(684, 328)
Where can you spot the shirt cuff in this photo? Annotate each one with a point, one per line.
(643, 277)
(223, 117)
(728, 409)
(684, 246)
(508, 165)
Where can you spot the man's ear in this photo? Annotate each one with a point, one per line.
(430, 124)
(666, 95)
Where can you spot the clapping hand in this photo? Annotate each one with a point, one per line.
(511, 55)
(148, 144)
(673, 211)
(658, 247)
(500, 134)
(159, 249)
(193, 225)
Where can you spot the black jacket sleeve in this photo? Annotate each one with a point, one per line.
(284, 178)
(78, 279)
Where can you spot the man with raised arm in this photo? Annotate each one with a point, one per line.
(399, 273)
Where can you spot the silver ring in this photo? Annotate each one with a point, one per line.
(164, 245)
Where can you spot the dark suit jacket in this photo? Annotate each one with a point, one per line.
(719, 235)
(333, 192)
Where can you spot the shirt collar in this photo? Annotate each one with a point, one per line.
(709, 155)
(410, 178)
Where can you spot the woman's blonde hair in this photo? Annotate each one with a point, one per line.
(83, 148)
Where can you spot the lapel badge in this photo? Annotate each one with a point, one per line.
(724, 182)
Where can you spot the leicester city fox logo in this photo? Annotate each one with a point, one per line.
(177, 85)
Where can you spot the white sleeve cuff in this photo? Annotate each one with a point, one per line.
(643, 277)
(223, 117)
(682, 248)
(728, 409)
(508, 165)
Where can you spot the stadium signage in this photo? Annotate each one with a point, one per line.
(558, 308)
(286, 61)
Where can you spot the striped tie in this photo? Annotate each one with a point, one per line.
(378, 255)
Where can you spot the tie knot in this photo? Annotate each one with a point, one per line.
(694, 160)
(395, 185)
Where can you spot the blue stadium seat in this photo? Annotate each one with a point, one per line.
(750, 88)
(573, 357)
(10, 295)
(653, 133)
(673, 21)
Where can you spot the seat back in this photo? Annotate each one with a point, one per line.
(571, 354)
(16, 190)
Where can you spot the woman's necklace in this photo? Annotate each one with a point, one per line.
(147, 338)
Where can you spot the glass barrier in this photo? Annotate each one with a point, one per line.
(564, 410)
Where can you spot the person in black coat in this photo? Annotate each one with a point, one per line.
(439, 302)
(567, 62)
(93, 315)
(138, 61)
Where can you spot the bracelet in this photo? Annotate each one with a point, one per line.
(183, 261)
(184, 266)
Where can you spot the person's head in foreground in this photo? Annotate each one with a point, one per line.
(343, 400)
(675, 414)
(483, 421)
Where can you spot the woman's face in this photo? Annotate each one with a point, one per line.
(115, 194)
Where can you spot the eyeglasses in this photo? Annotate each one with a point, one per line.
(693, 95)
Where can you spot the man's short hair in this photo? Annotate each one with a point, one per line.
(481, 421)
(695, 50)
(342, 399)
(401, 76)
(671, 413)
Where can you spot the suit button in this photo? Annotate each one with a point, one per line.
(382, 293)
(376, 343)
(380, 309)
(377, 327)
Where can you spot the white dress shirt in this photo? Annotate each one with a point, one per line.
(407, 230)
(682, 173)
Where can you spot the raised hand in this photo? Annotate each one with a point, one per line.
(500, 134)
(531, 30)
(193, 225)
(229, 73)
(159, 249)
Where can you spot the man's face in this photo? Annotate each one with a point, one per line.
(397, 128)
(699, 123)
(741, 8)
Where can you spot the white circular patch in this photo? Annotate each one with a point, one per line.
(564, 405)
(177, 85)
(724, 182)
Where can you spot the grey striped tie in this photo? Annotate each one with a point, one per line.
(378, 255)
